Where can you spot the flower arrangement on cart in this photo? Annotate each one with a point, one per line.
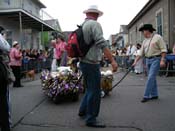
(61, 85)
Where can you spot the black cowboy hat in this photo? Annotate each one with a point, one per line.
(147, 27)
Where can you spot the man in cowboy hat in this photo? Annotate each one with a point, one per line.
(90, 66)
(154, 49)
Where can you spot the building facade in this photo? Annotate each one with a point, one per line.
(112, 39)
(24, 22)
(122, 37)
(31, 6)
(159, 13)
(67, 34)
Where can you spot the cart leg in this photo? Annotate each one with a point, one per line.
(75, 97)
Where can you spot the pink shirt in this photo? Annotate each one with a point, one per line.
(15, 57)
(59, 49)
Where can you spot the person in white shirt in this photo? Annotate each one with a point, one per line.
(130, 53)
(131, 49)
(4, 86)
(139, 66)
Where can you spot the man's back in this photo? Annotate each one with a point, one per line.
(92, 31)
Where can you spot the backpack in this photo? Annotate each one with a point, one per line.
(77, 47)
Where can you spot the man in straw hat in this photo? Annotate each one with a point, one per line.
(90, 66)
(154, 49)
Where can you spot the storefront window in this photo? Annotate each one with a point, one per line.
(159, 21)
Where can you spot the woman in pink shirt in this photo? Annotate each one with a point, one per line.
(15, 63)
(60, 48)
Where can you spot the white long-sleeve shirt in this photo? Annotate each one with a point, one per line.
(131, 49)
(4, 45)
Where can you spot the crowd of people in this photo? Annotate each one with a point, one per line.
(125, 58)
(127, 55)
(34, 59)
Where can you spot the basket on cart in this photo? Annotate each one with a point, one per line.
(61, 85)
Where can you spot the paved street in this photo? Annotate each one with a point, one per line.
(121, 111)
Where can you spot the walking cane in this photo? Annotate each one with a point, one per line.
(129, 70)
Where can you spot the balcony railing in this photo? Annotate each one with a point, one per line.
(45, 16)
(27, 6)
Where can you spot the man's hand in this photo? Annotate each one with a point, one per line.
(136, 60)
(114, 66)
(134, 64)
(163, 60)
(162, 64)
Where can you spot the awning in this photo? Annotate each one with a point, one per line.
(28, 21)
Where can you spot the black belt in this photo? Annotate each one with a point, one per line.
(151, 57)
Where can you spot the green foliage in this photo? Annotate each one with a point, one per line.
(45, 38)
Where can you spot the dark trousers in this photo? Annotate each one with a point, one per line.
(58, 62)
(129, 63)
(91, 101)
(17, 73)
(4, 107)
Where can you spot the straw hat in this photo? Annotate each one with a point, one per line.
(93, 9)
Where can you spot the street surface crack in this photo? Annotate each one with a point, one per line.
(22, 118)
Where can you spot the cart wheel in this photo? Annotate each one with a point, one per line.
(57, 99)
(107, 93)
(75, 97)
(102, 94)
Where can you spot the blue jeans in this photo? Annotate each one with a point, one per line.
(92, 99)
(153, 66)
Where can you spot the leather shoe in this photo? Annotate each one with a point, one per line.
(154, 98)
(81, 114)
(96, 125)
(18, 86)
(144, 100)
